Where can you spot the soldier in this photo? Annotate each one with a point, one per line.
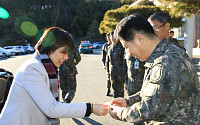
(134, 74)
(171, 38)
(170, 90)
(104, 53)
(67, 75)
(115, 60)
(160, 21)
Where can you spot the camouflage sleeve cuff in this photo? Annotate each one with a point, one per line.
(128, 103)
(120, 113)
(130, 100)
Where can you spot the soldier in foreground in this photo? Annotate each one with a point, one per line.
(104, 54)
(170, 90)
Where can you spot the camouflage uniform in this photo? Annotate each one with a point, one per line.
(175, 41)
(104, 53)
(170, 91)
(115, 60)
(67, 75)
(134, 74)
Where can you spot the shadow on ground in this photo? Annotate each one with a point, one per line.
(89, 120)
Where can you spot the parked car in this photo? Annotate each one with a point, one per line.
(6, 53)
(30, 49)
(23, 49)
(6, 79)
(98, 45)
(86, 48)
(1, 53)
(14, 49)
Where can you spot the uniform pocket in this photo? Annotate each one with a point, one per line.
(150, 89)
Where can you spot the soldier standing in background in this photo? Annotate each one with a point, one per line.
(134, 73)
(67, 75)
(160, 21)
(115, 59)
(171, 37)
(104, 53)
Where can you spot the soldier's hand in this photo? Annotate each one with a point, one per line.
(113, 111)
(121, 102)
(100, 109)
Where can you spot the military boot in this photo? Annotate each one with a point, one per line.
(67, 100)
(108, 92)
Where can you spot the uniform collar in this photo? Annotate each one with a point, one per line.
(160, 48)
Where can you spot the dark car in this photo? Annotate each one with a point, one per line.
(86, 48)
(6, 79)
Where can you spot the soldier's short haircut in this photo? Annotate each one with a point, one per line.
(108, 34)
(131, 25)
(112, 33)
(162, 17)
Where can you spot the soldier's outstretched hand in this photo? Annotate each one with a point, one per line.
(100, 109)
(121, 102)
(113, 111)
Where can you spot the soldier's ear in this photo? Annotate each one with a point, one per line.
(139, 37)
(167, 26)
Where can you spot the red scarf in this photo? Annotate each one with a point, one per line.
(54, 81)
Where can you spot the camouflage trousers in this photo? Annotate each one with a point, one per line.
(68, 86)
(117, 82)
(108, 82)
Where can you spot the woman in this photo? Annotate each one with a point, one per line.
(33, 97)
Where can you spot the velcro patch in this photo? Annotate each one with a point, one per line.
(156, 73)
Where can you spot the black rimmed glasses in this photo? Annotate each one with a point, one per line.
(157, 28)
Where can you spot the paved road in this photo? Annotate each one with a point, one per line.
(91, 86)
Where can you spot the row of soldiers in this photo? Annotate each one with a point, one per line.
(121, 67)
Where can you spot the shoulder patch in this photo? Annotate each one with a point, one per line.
(156, 73)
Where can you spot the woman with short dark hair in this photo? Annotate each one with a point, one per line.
(34, 94)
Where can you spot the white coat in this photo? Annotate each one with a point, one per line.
(30, 101)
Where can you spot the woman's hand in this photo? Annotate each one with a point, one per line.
(99, 109)
(121, 102)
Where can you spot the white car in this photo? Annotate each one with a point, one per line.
(6, 53)
(1, 53)
(22, 49)
(30, 49)
(14, 49)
